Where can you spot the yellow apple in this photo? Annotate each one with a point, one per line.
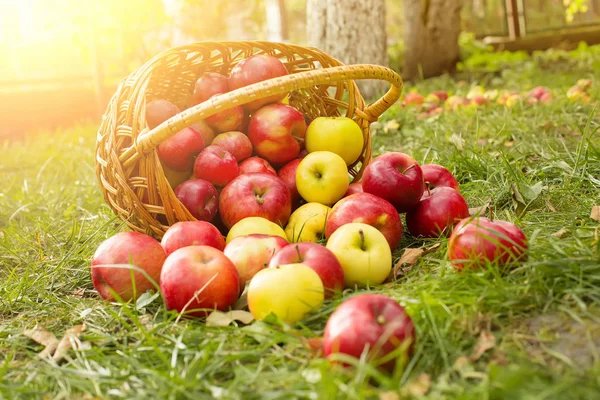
(340, 135)
(251, 225)
(307, 223)
(363, 252)
(322, 177)
(289, 291)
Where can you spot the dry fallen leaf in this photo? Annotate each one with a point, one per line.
(509, 143)
(550, 206)
(409, 258)
(389, 396)
(218, 318)
(481, 210)
(242, 301)
(79, 292)
(40, 335)
(595, 215)
(419, 386)
(315, 345)
(485, 342)
(561, 233)
(461, 362)
(69, 341)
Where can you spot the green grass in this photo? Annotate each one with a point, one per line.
(52, 218)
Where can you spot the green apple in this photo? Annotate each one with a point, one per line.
(340, 135)
(363, 252)
(289, 291)
(307, 223)
(322, 177)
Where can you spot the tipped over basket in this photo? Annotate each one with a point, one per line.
(131, 176)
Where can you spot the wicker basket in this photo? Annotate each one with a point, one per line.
(129, 171)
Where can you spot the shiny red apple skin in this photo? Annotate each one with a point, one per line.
(277, 132)
(287, 174)
(158, 111)
(126, 248)
(178, 151)
(236, 143)
(436, 175)
(216, 166)
(251, 253)
(319, 258)
(395, 177)
(200, 198)
(254, 165)
(199, 277)
(255, 69)
(205, 131)
(255, 195)
(191, 233)
(227, 120)
(368, 209)
(437, 212)
(208, 85)
(476, 241)
(372, 321)
(353, 188)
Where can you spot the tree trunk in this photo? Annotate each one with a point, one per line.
(431, 37)
(276, 20)
(352, 31)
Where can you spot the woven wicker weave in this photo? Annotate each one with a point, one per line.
(127, 167)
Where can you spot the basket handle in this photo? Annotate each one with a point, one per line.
(150, 140)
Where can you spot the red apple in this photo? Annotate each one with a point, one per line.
(436, 175)
(277, 132)
(158, 111)
(198, 279)
(209, 84)
(216, 166)
(355, 187)
(192, 233)
(287, 174)
(226, 120)
(395, 177)
(255, 69)
(372, 323)
(178, 151)
(204, 130)
(478, 241)
(319, 258)
(200, 198)
(443, 96)
(251, 253)
(255, 165)
(111, 265)
(437, 212)
(413, 98)
(255, 195)
(236, 143)
(368, 209)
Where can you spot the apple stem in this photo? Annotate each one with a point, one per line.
(260, 200)
(381, 320)
(427, 186)
(299, 255)
(409, 168)
(362, 240)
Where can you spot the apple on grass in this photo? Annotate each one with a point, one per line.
(374, 324)
(252, 253)
(255, 195)
(322, 177)
(192, 233)
(307, 223)
(290, 291)
(252, 225)
(287, 174)
(122, 257)
(158, 111)
(476, 242)
(368, 209)
(317, 257)
(216, 166)
(254, 69)
(435, 175)
(339, 135)
(236, 143)
(277, 132)
(256, 165)
(395, 177)
(200, 198)
(437, 212)
(413, 98)
(178, 151)
(363, 252)
(208, 85)
(196, 280)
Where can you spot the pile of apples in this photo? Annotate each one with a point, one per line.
(279, 220)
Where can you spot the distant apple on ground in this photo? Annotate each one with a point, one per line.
(226, 120)
(255, 165)
(307, 223)
(436, 175)
(251, 225)
(372, 323)
(236, 143)
(192, 233)
(158, 111)
(255, 195)
(178, 151)
(437, 212)
(198, 279)
(118, 256)
(317, 257)
(287, 174)
(209, 84)
(322, 177)
(216, 166)
(339, 135)
(413, 98)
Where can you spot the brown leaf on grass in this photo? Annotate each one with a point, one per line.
(79, 292)
(481, 210)
(242, 302)
(595, 214)
(485, 342)
(40, 335)
(218, 318)
(69, 341)
(315, 345)
(550, 206)
(418, 386)
(389, 396)
(561, 233)
(410, 257)
(461, 362)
